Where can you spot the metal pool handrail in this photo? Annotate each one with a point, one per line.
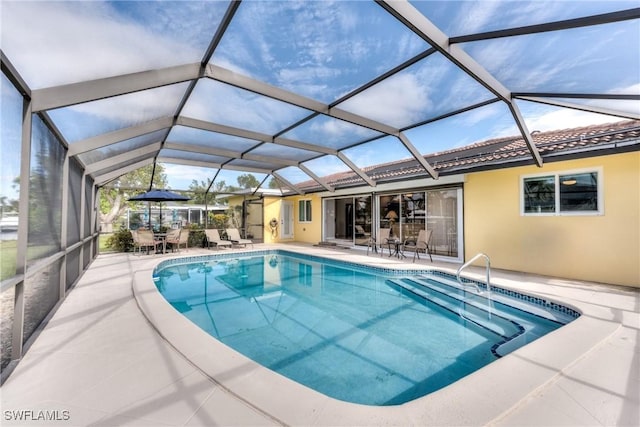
(471, 261)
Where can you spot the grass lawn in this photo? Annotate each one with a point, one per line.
(103, 242)
(8, 252)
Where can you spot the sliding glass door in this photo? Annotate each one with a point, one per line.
(362, 220)
(439, 210)
(353, 220)
(347, 220)
(444, 218)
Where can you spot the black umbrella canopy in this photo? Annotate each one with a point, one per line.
(159, 196)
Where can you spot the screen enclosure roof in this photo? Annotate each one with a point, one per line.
(303, 90)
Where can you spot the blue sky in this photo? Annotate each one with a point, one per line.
(323, 50)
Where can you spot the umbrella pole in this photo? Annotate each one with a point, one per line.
(149, 215)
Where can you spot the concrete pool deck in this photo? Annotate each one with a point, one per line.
(115, 353)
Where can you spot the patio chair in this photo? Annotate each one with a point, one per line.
(213, 236)
(379, 241)
(422, 243)
(361, 236)
(145, 239)
(136, 240)
(234, 235)
(173, 237)
(183, 239)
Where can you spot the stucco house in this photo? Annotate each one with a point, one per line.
(577, 217)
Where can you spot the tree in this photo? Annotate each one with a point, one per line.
(197, 191)
(273, 183)
(113, 198)
(219, 186)
(248, 180)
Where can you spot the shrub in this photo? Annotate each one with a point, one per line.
(121, 241)
(218, 221)
(196, 236)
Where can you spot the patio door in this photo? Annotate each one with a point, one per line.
(444, 217)
(347, 220)
(286, 220)
(438, 210)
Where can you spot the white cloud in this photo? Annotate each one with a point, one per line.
(567, 118)
(334, 129)
(479, 115)
(397, 101)
(380, 151)
(475, 15)
(326, 165)
(220, 103)
(179, 177)
(478, 16)
(546, 118)
(136, 107)
(77, 41)
(633, 89)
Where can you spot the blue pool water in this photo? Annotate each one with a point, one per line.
(358, 335)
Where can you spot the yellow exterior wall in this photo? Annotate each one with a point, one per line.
(307, 232)
(604, 248)
(271, 210)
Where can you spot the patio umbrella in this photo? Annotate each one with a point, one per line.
(158, 196)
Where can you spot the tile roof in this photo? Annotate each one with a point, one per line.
(497, 151)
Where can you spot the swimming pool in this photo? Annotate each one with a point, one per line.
(362, 335)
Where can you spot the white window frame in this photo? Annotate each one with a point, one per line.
(556, 175)
(303, 211)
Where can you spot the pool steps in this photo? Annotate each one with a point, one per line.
(476, 309)
(539, 308)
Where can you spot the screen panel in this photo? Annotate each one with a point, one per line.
(45, 193)
(457, 18)
(319, 49)
(90, 119)
(240, 108)
(104, 39)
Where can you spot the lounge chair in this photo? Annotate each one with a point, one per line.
(234, 235)
(213, 236)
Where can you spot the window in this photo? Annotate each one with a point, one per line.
(566, 193)
(540, 194)
(304, 211)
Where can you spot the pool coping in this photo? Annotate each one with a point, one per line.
(479, 398)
